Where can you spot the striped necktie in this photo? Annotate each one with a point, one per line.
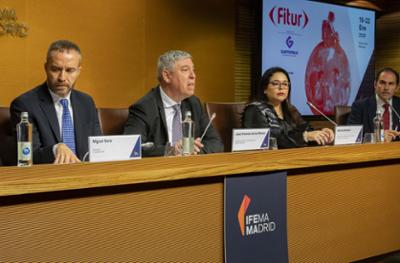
(67, 127)
(176, 124)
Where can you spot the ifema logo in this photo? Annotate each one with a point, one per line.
(251, 224)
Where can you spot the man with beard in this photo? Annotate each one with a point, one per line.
(62, 117)
(383, 101)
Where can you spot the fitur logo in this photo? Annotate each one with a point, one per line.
(254, 223)
(284, 16)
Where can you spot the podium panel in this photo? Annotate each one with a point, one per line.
(342, 206)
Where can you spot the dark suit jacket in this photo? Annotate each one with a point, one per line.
(147, 118)
(363, 112)
(262, 115)
(46, 131)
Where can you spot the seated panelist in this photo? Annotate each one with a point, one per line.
(62, 117)
(364, 111)
(270, 108)
(157, 116)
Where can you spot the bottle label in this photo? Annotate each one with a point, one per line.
(24, 151)
(188, 145)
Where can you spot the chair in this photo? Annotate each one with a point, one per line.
(342, 112)
(7, 144)
(5, 126)
(112, 121)
(228, 117)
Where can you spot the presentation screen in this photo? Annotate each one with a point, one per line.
(327, 50)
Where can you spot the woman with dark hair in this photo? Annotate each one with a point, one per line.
(270, 108)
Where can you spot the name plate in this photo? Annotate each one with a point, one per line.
(348, 134)
(114, 148)
(250, 139)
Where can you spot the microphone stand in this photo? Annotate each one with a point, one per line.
(393, 110)
(208, 125)
(320, 112)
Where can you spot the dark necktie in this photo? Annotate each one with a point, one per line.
(176, 124)
(67, 127)
(386, 117)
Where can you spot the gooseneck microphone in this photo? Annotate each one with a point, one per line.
(208, 125)
(85, 156)
(320, 112)
(147, 145)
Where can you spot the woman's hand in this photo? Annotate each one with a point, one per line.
(322, 137)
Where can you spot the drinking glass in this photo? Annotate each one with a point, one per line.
(273, 143)
(369, 138)
(171, 150)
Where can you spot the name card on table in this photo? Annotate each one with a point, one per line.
(348, 134)
(250, 139)
(114, 148)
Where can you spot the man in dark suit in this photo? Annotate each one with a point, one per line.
(154, 115)
(363, 111)
(62, 117)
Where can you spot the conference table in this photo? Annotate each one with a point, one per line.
(342, 205)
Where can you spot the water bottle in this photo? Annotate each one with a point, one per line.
(188, 134)
(378, 127)
(24, 141)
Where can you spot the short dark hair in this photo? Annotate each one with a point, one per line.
(387, 69)
(61, 45)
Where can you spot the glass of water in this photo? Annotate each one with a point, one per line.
(273, 143)
(369, 138)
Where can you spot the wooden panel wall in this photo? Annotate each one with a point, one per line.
(333, 216)
(245, 47)
(388, 41)
(174, 224)
(121, 41)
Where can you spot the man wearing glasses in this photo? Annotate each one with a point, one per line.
(363, 111)
(62, 117)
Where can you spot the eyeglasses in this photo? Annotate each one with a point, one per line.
(277, 84)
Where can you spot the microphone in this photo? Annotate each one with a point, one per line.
(147, 145)
(208, 125)
(84, 157)
(393, 110)
(320, 112)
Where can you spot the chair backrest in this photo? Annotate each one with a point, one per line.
(342, 112)
(228, 117)
(7, 144)
(112, 121)
(5, 125)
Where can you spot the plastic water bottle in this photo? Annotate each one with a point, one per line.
(24, 141)
(188, 134)
(378, 127)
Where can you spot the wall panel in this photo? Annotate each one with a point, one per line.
(388, 41)
(120, 41)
